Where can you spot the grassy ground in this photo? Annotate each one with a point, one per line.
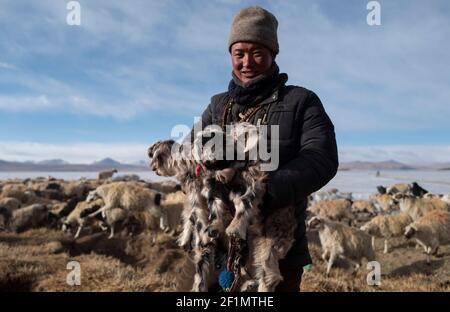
(36, 261)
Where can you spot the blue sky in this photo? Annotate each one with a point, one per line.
(134, 69)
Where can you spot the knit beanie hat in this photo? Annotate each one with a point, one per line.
(254, 24)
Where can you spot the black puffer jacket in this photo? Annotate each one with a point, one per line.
(308, 151)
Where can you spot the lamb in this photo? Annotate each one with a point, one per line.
(131, 196)
(387, 226)
(418, 207)
(165, 186)
(15, 190)
(78, 217)
(341, 241)
(28, 217)
(407, 189)
(336, 209)
(384, 202)
(173, 204)
(363, 209)
(430, 231)
(114, 216)
(106, 174)
(230, 193)
(10, 203)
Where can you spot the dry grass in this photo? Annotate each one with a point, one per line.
(36, 261)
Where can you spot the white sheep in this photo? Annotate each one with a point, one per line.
(106, 174)
(430, 231)
(341, 241)
(383, 202)
(417, 207)
(132, 196)
(387, 226)
(336, 209)
(77, 219)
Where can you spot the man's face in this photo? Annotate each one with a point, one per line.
(250, 60)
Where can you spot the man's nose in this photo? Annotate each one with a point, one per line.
(248, 61)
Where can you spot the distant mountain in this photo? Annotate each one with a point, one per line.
(382, 165)
(53, 162)
(106, 162)
(59, 165)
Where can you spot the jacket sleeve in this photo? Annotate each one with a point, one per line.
(316, 162)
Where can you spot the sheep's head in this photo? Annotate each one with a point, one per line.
(368, 228)
(160, 153)
(410, 231)
(66, 226)
(92, 195)
(315, 222)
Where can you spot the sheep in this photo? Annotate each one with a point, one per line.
(341, 241)
(387, 226)
(10, 203)
(446, 198)
(114, 216)
(406, 189)
(106, 174)
(131, 196)
(165, 186)
(430, 231)
(331, 194)
(336, 209)
(15, 190)
(364, 208)
(78, 189)
(79, 217)
(32, 216)
(432, 195)
(383, 202)
(418, 207)
(173, 204)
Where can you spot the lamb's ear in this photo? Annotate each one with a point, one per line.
(158, 199)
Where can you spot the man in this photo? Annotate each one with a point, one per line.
(258, 94)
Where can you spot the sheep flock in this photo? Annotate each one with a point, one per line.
(124, 232)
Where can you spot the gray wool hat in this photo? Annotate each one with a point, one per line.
(255, 24)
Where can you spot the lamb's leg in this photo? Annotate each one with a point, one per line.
(238, 226)
(373, 242)
(325, 255)
(331, 262)
(386, 247)
(112, 232)
(428, 255)
(202, 264)
(80, 227)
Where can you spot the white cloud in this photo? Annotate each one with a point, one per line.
(24, 103)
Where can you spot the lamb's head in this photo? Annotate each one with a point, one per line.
(160, 153)
(217, 149)
(315, 222)
(92, 196)
(410, 231)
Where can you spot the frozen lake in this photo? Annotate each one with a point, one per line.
(360, 183)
